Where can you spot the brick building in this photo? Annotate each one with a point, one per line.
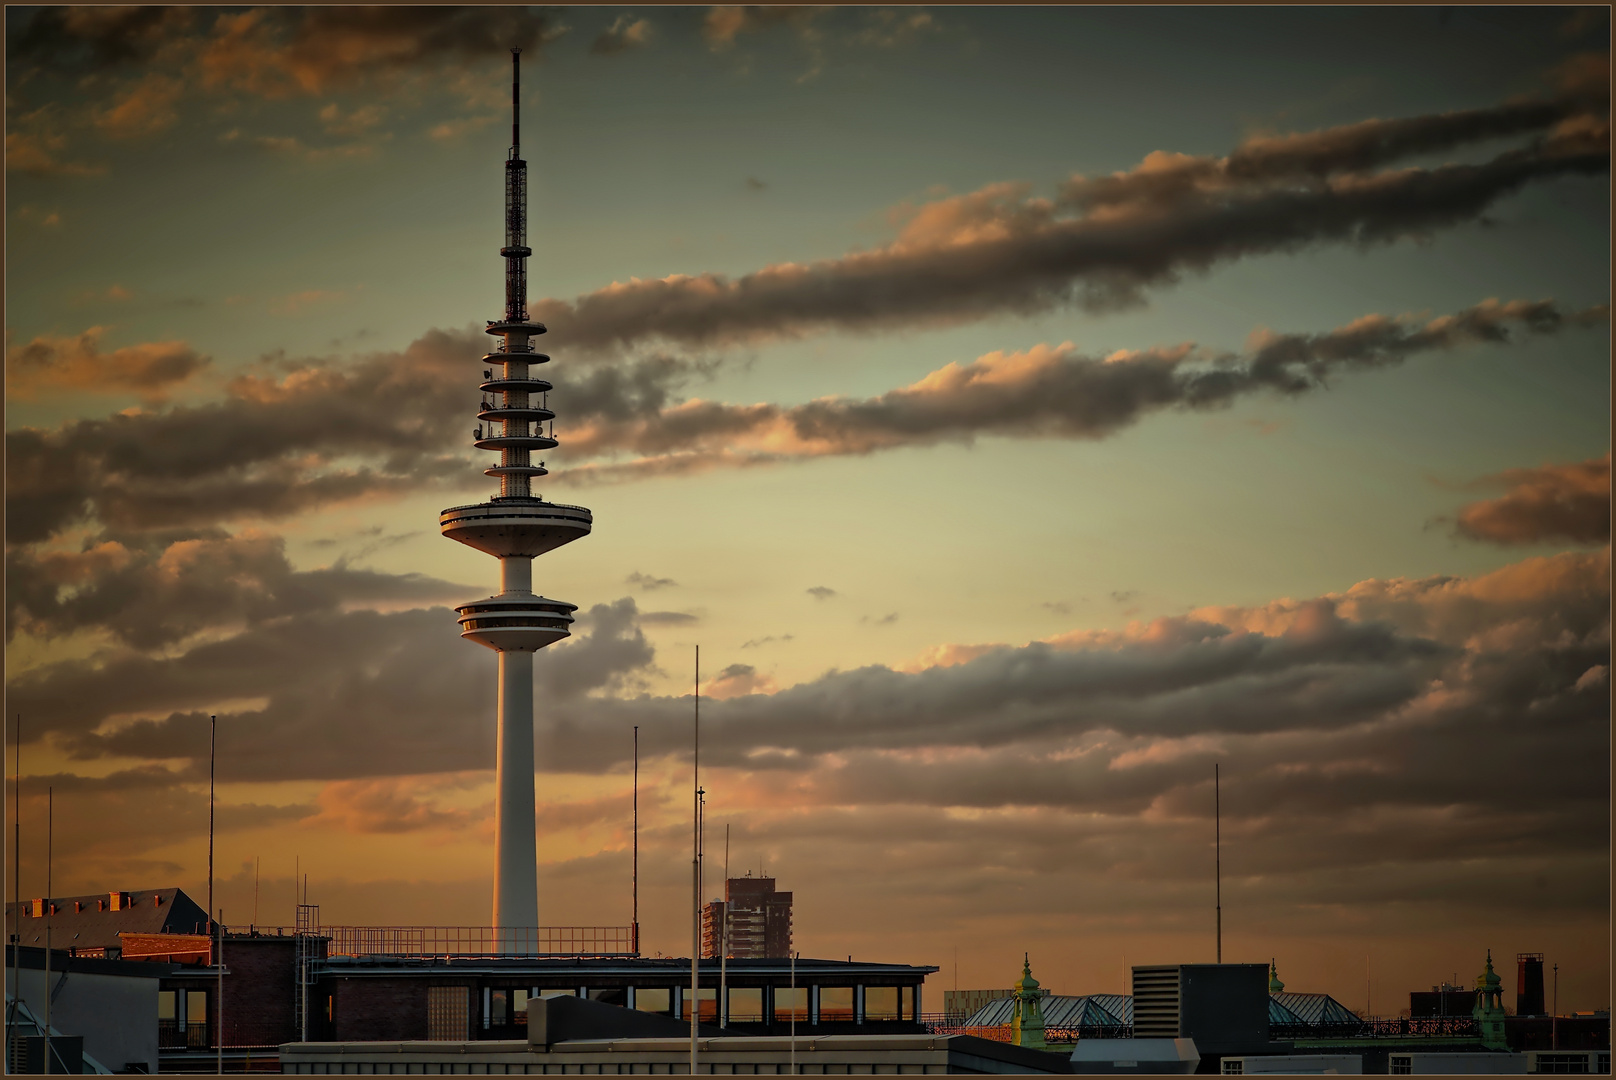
(759, 920)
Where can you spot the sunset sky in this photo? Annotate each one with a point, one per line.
(1023, 409)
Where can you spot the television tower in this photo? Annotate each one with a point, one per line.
(515, 526)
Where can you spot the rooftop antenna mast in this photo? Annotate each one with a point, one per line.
(695, 876)
(1217, 856)
(634, 881)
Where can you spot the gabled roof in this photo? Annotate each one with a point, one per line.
(1060, 1011)
(1108, 1010)
(83, 921)
(1309, 1009)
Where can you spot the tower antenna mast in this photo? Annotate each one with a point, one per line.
(515, 526)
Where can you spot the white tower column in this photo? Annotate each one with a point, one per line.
(515, 526)
(516, 878)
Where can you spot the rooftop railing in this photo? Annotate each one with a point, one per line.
(478, 941)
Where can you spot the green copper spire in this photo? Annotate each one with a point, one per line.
(1489, 1010)
(1027, 1020)
(1274, 985)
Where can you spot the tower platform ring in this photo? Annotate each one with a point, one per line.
(520, 327)
(516, 623)
(516, 442)
(532, 413)
(503, 357)
(515, 526)
(516, 386)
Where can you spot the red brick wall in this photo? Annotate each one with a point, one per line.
(258, 1006)
(375, 1009)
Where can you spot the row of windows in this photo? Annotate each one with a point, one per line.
(450, 1008)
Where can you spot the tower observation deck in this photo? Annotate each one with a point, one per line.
(515, 526)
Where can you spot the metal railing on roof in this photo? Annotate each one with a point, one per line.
(478, 941)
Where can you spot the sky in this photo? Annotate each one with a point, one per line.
(1025, 411)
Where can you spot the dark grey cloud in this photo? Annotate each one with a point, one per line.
(1104, 241)
(296, 435)
(1567, 503)
(279, 52)
(648, 582)
(821, 592)
(156, 594)
(367, 693)
(1047, 393)
(669, 618)
(86, 40)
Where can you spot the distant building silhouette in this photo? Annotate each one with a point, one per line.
(759, 920)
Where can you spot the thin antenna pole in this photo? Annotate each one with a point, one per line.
(695, 875)
(16, 881)
(49, 840)
(634, 880)
(723, 941)
(218, 959)
(794, 956)
(257, 864)
(516, 102)
(213, 741)
(1217, 848)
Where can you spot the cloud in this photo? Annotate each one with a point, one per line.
(885, 28)
(38, 153)
(821, 592)
(157, 593)
(754, 184)
(392, 804)
(669, 618)
(86, 40)
(759, 642)
(355, 122)
(146, 109)
(49, 365)
(647, 582)
(1102, 242)
(621, 36)
(289, 436)
(1378, 743)
(724, 24)
(738, 680)
(1044, 392)
(326, 694)
(281, 52)
(1567, 503)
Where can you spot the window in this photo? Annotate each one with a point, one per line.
(448, 1013)
(652, 999)
(909, 1010)
(1401, 1065)
(746, 1004)
(165, 1005)
(1234, 1067)
(789, 1003)
(709, 1004)
(835, 1004)
(499, 1008)
(519, 1002)
(196, 1006)
(880, 1003)
(615, 995)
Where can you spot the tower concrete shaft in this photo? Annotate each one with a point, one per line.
(515, 526)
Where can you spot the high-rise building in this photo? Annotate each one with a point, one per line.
(759, 920)
(515, 526)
